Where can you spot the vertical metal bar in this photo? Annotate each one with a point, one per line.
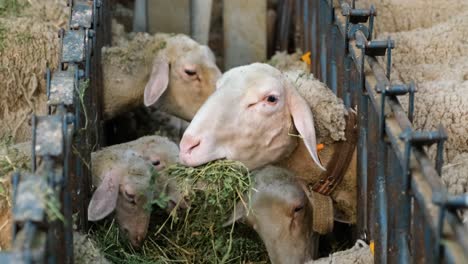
(372, 150)
(340, 54)
(362, 163)
(389, 58)
(419, 231)
(306, 26)
(381, 233)
(313, 38)
(33, 143)
(67, 209)
(347, 80)
(323, 42)
(333, 68)
(14, 183)
(440, 154)
(399, 189)
(381, 192)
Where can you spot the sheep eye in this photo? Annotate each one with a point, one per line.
(190, 72)
(156, 163)
(272, 99)
(298, 208)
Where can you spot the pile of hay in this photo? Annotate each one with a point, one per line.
(28, 42)
(197, 235)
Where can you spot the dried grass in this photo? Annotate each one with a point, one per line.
(197, 235)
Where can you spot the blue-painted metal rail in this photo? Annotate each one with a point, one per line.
(403, 206)
(58, 186)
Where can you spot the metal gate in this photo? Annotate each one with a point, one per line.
(403, 205)
(45, 199)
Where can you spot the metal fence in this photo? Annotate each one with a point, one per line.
(48, 201)
(403, 205)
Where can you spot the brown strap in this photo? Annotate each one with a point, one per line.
(322, 220)
(322, 210)
(339, 163)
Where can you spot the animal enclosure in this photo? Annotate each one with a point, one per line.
(403, 206)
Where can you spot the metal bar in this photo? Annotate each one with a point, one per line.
(392, 165)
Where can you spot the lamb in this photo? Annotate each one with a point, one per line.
(281, 212)
(128, 165)
(171, 69)
(251, 120)
(28, 40)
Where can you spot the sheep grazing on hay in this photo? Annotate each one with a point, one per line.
(258, 110)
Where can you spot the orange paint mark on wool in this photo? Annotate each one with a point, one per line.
(306, 58)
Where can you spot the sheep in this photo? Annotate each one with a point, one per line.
(126, 69)
(171, 69)
(281, 212)
(288, 62)
(360, 253)
(128, 166)
(28, 40)
(401, 15)
(435, 58)
(252, 120)
(444, 43)
(440, 71)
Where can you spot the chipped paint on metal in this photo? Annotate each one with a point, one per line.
(73, 46)
(49, 136)
(29, 204)
(82, 15)
(62, 87)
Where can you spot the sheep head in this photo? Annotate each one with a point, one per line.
(183, 76)
(250, 118)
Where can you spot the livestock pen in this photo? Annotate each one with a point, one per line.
(403, 205)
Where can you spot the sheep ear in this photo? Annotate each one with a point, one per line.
(158, 81)
(104, 198)
(304, 123)
(239, 213)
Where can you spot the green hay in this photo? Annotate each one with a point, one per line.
(197, 235)
(11, 159)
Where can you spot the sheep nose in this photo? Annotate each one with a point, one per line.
(137, 241)
(188, 144)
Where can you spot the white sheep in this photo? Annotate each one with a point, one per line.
(288, 62)
(281, 211)
(173, 68)
(252, 117)
(144, 68)
(436, 58)
(401, 15)
(122, 174)
(123, 177)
